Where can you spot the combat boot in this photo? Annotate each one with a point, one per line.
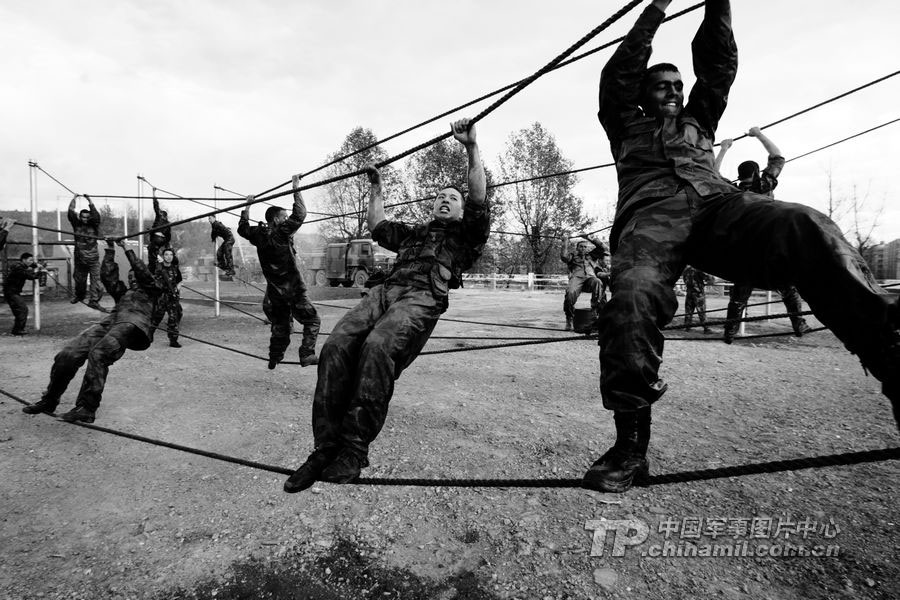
(310, 471)
(308, 358)
(346, 467)
(688, 322)
(174, 344)
(569, 324)
(800, 326)
(44, 405)
(79, 413)
(731, 323)
(625, 464)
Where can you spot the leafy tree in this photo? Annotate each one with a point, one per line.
(545, 208)
(352, 194)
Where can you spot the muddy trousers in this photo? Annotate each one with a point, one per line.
(366, 352)
(740, 295)
(281, 309)
(578, 284)
(170, 304)
(695, 302)
(741, 237)
(19, 310)
(100, 346)
(82, 270)
(224, 258)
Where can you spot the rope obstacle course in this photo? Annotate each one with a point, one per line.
(513, 89)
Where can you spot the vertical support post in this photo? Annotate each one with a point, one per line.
(140, 214)
(769, 301)
(530, 281)
(32, 192)
(215, 265)
(494, 281)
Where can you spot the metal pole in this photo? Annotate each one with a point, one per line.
(768, 301)
(215, 265)
(32, 188)
(140, 213)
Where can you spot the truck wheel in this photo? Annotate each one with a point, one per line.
(309, 277)
(320, 279)
(360, 278)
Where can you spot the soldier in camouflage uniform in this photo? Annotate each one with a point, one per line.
(157, 240)
(169, 275)
(674, 209)
(286, 291)
(750, 179)
(224, 259)
(126, 327)
(587, 272)
(695, 282)
(86, 227)
(374, 342)
(18, 273)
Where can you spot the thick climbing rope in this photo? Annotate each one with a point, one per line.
(809, 462)
(225, 302)
(855, 135)
(310, 212)
(496, 104)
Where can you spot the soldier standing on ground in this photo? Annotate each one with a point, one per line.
(169, 276)
(26, 268)
(695, 282)
(587, 271)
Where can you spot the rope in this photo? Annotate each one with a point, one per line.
(157, 189)
(496, 104)
(471, 102)
(228, 304)
(249, 284)
(809, 462)
(855, 135)
(64, 186)
(823, 103)
(42, 228)
(309, 212)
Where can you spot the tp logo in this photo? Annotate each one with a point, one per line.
(622, 534)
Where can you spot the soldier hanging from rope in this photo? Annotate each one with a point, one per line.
(86, 227)
(224, 259)
(375, 341)
(587, 272)
(158, 240)
(750, 179)
(169, 275)
(675, 209)
(102, 344)
(285, 297)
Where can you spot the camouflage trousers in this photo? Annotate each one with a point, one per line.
(741, 237)
(578, 284)
(100, 345)
(224, 258)
(19, 310)
(740, 294)
(366, 352)
(80, 275)
(171, 304)
(280, 308)
(695, 302)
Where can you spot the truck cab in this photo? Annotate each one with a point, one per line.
(348, 263)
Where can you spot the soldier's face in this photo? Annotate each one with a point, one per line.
(279, 217)
(664, 94)
(448, 205)
(83, 216)
(582, 248)
(168, 256)
(29, 262)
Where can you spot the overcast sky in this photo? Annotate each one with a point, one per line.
(243, 94)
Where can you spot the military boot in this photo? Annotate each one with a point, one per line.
(569, 324)
(731, 325)
(309, 472)
(625, 464)
(688, 322)
(79, 413)
(346, 467)
(44, 405)
(800, 326)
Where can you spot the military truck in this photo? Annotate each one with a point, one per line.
(347, 264)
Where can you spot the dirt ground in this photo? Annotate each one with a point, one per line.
(90, 515)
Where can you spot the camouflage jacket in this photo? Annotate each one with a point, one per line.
(275, 248)
(86, 247)
(220, 230)
(16, 277)
(136, 304)
(767, 181)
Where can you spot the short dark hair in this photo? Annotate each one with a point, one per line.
(453, 186)
(748, 170)
(26, 255)
(172, 250)
(645, 78)
(84, 211)
(271, 212)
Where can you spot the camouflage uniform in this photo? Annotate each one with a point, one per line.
(12, 293)
(375, 341)
(157, 240)
(128, 326)
(224, 259)
(285, 290)
(675, 209)
(695, 282)
(170, 300)
(587, 272)
(87, 257)
(765, 184)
